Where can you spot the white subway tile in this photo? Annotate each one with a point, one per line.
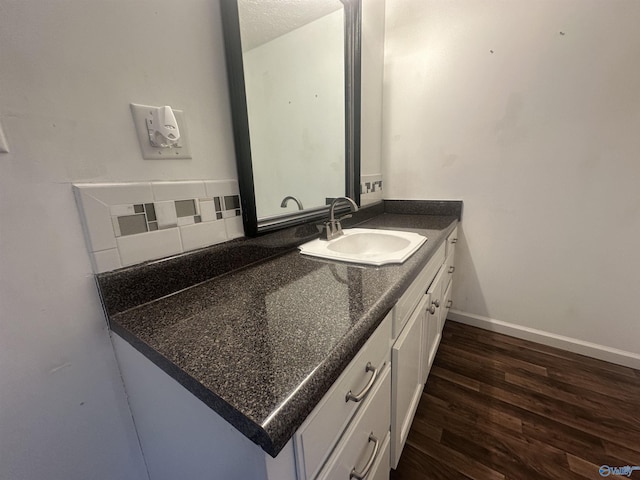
(166, 214)
(121, 210)
(106, 260)
(178, 190)
(220, 188)
(371, 178)
(185, 221)
(207, 210)
(202, 234)
(369, 199)
(149, 246)
(234, 227)
(116, 226)
(96, 220)
(118, 193)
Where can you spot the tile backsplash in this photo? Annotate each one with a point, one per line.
(130, 223)
(370, 189)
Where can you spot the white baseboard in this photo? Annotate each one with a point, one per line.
(594, 350)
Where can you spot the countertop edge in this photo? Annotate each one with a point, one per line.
(240, 421)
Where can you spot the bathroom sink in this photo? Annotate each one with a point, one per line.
(368, 246)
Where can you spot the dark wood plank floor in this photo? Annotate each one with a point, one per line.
(497, 407)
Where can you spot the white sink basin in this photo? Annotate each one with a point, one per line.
(368, 246)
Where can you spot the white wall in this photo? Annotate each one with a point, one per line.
(538, 132)
(69, 71)
(295, 102)
(371, 84)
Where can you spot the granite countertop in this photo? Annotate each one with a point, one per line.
(262, 345)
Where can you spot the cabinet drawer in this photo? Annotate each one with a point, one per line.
(452, 239)
(416, 290)
(380, 470)
(318, 434)
(365, 437)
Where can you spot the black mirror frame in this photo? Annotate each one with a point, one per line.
(240, 120)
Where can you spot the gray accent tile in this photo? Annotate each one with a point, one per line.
(185, 208)
(218, 215)
(138, 208)
(216, 201)
(231, 202)
(197, 219)
(132, 224)
(153, 226)
(151, 212)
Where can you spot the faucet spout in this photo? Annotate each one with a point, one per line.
(286, 199)
(333, 228)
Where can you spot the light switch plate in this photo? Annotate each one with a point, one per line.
(149, 152)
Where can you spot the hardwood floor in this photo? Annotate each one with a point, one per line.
(497, 407)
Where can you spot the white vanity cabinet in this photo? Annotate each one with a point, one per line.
(449, 269)
(367, 376)
(406, 380)
(415, 333)
(439, 304)
(357, 430)
(339, 438)
(432, 321)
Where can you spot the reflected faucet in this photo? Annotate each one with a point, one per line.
(286, 199)
(333, 228)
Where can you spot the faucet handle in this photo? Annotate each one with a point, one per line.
(327, 230)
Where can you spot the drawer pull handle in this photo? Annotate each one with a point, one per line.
(367, 387)
(454, 240)
(365, 471)
(449, 303)
(432, 310)
(436, 303)
(452, 269)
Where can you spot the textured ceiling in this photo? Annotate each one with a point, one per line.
(263, 20)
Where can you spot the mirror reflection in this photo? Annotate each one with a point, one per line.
(293, 55)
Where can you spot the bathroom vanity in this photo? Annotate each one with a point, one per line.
(287, 368)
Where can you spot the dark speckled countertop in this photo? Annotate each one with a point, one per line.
(262, 345)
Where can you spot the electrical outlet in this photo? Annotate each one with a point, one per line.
(149, 152)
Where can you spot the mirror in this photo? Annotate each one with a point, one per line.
(294, 77)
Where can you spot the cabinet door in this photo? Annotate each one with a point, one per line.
(406, 384)
(433, 318)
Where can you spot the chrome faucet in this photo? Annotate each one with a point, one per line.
(286, 199)
(333, 228)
